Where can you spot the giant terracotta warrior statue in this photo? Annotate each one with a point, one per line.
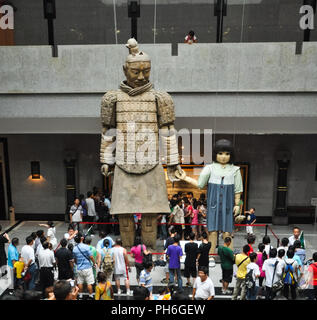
(138, 112)
(224, 191)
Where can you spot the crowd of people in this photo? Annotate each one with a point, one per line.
(72, 268)
(269, 272)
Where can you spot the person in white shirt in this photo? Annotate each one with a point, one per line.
(107, 202)
(280, 257)
(90, 201)
(51, 233)
(70, 235)
(273, 272)
(76, 214)
(203, 287)
(28, 257)
(252, 292)
(267, 242)
(46, 263)
(295, 236)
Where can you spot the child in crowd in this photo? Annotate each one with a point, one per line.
(284, 245)
(251, 240)
(18, 268)
(104, 289)
(253, 269)
(146, 278)
(251, 219)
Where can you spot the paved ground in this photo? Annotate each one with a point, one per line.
(25, 228)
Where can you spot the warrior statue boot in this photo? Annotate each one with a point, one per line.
(127, 230)
(149, 229)
(213, 238)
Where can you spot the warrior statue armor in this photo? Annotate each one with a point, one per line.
(137, 112)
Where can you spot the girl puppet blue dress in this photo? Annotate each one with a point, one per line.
(224, 191)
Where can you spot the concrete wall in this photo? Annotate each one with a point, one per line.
(227, 67)
(48, 196)
(93, 21)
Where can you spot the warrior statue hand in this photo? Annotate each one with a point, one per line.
(171, 172)
(105, 170)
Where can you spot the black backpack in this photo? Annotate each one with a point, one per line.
(249, 281)
(147, 258)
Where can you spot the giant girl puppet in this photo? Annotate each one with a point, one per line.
(224, 191)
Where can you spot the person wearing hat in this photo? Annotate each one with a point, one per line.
(132, 117)
(224, 191)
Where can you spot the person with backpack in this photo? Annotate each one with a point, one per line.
(105, 259)
(252, 277)
(241, 260)
(290, 275)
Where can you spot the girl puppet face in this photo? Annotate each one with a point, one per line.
(223, 157)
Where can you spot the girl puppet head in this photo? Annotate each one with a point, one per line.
(223, 152)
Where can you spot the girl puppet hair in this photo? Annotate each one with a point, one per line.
(223, 145)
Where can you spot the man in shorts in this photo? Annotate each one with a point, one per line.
(227, 262)
(85, 262)
(121, 266)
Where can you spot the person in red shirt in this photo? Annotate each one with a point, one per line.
(190, 38)
(251, 241)
(312, 278)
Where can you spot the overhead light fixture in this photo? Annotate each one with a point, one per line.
(35, 170)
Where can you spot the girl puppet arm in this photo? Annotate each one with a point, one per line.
(238, 189)
(202, 180)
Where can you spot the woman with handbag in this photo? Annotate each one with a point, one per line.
(136, 251)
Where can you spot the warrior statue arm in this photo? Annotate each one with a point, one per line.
(108, 122)
(166, 119)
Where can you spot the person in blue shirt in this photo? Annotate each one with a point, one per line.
(299, 251)
(13, 257)
(146, 278)
(297, 258)
(103, 236)
(13, 253)
(84, 261)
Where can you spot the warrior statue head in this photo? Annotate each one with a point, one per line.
(137, 66)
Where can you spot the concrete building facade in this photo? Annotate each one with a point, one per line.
(261, 95)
